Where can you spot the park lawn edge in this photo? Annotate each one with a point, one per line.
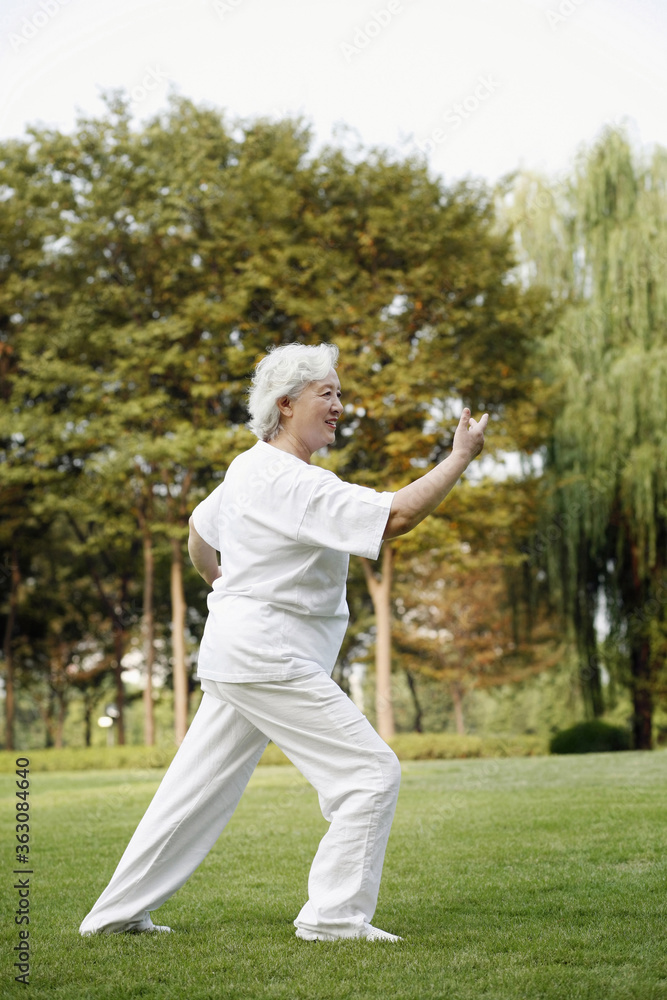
(407, 746)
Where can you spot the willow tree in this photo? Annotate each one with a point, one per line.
(600, 244)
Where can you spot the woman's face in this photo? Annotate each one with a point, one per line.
(311, 419)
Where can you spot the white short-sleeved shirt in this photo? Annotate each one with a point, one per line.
(284, 530)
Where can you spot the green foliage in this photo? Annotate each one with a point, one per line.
(139, 758)
(145, 272)
(593, 736)
(407, 746)
(599, 242)
(130, 757)
(449, 746)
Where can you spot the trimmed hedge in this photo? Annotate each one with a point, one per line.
(129, 758)
(408, 746)
(449, 746)
(595, 736)
(89, 758)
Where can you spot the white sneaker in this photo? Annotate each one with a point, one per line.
(146, 926)
(371, 933)
(150, 930)
(367, 933)
(130, 930)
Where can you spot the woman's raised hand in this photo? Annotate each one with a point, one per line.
(412, 503)
(469, 436)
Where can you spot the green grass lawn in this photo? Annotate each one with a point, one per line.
(511, 878)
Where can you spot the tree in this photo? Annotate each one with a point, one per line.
(456, 625)
(165, 260)
(437, 322)
(600, 244)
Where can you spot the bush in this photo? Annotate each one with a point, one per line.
(407, 746)
(89, 758)
(129, 757)
(590, 737)
(451, 746)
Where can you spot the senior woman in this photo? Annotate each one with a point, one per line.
(277, 615)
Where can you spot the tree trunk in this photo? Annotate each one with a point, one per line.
(417, 727)
(59, 661)
(47, 714)
(118, 626)
(60, 718)
(635, 594)
(380, 591)
(87, 727)
(88, 682)
(15, 579)
(178, 643)
(457, 698)
(119, 652)
(148, 636)
(642, 696)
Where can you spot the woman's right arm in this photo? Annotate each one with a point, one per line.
(417, 500)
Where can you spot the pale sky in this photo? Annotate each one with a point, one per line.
(483, 86)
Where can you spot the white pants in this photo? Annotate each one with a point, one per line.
(355, 774)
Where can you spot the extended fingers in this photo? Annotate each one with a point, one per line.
(468, 422)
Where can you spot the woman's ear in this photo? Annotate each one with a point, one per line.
(285, 406)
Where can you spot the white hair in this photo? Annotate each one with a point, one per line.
(285, 372)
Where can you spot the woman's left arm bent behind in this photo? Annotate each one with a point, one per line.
(204, 557)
